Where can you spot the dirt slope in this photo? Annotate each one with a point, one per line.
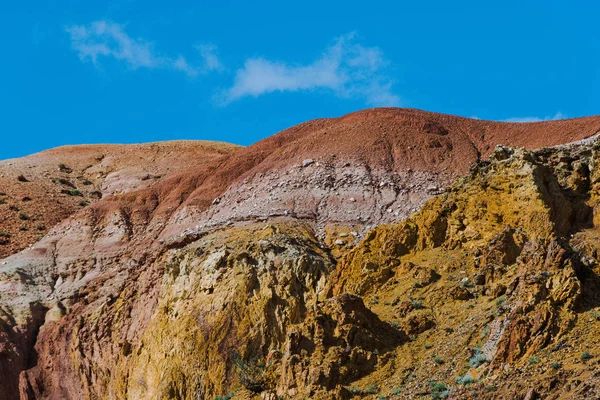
(38, 191)
(152, 293)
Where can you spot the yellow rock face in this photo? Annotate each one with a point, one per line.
(490, 291)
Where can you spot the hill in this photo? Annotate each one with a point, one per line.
(366, 255)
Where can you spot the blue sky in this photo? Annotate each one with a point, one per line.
(84, 71)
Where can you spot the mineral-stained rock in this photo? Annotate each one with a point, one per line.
(165, 293)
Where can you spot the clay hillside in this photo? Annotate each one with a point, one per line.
(38, 191)
(387, 254)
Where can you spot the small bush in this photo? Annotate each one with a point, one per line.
(585, 356)
(556, 366)
(465, 380)
(225, 397)
(534, 360)
(64, 168)
(491, 388)
(485, 332)
(2, 201)
(84, 203)
(478, 359)
(24, 216)
(75, 192)
(66, 182)
(500, 300)
(417, 305)
(4, 234)
(371, 389)
(595, 314)
(427, 346)
(251, 373)
(438, 360)
(439, 390)
(397, 391)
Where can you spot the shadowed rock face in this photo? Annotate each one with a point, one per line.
(258, 255)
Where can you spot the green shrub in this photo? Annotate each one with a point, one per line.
(4, 234)
(252, 373)
(438, 360)
(500, 300)
(585, 356)
(371, 389)
(556, 366)
(397, 391)
(465, 380)
(439, 390)
(417, 305)
(534, 360)
(595, 314)
(491, 388)
(225, 397)
(478, 359)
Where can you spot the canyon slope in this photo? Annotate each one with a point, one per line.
(388, 253)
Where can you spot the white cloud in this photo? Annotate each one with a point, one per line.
(108, 39)
(556, 117)
(346, 68)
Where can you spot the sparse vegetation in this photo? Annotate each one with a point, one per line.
(252, 373)
(491, 388)
(64, 168)
(370, 389)
(438, 360)
(500, 300)
(439, 390)
(65, 182)
(225, 397)
(585, 356)
(534, 360)
(396, 391)
(417, 305)
(485, 332)
(478, 358)
(465, 380)
(595, 314)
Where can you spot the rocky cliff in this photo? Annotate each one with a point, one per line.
(310, 266)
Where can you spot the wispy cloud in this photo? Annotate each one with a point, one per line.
(346, 68)
(109, 39)
(555, 117)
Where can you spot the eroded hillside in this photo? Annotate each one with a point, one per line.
(39, 191)
(286, 269)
